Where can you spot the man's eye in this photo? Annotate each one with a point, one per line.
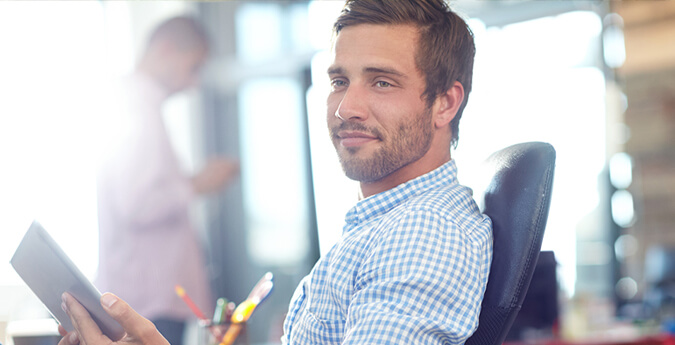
(335, 83)
(382, 84)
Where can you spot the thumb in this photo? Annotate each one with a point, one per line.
(134, 324)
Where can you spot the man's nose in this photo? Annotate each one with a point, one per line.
(353, 106)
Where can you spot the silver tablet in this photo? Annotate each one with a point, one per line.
(48, 271)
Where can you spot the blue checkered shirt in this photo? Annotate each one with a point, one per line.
(410, 268)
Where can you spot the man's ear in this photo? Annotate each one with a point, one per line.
(447, 104)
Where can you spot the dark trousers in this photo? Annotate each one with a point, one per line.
(172, 330)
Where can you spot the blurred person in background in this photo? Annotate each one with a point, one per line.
(148, 244)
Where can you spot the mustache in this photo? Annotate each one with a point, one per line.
(354, 126)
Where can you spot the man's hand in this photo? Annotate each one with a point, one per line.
(140, 331)
(217, 173)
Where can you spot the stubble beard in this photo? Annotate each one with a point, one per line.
(408, 144)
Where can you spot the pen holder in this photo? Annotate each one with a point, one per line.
(214, 334)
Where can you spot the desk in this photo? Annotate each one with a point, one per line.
(664, 339)
(33, 332)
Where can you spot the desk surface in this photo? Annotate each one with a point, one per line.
(665, 339)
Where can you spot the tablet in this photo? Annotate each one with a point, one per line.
(48, 272)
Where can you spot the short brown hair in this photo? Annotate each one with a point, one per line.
(185, 32)
(445, 50)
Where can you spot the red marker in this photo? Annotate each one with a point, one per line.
(181, 293)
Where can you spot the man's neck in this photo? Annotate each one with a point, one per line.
(402, 175)
(153, 71)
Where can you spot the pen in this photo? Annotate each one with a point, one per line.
(229, 309)
(220, 314)
(181, 293)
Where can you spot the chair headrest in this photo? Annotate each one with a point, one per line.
(517, 200)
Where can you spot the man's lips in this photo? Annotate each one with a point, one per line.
(354, 138)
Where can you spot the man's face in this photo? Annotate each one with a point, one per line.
(377, 117)
(185, 69)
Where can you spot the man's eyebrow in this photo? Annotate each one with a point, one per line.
(335, 70)
(384, 70)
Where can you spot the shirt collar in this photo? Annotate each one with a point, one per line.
(383, 202)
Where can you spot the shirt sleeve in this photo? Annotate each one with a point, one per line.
(422, 284)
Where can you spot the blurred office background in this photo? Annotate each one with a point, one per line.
(594, 78)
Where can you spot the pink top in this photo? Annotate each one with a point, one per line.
(147, 243)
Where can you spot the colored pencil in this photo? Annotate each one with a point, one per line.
(183, 295)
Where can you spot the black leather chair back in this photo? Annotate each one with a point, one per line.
(517, 200)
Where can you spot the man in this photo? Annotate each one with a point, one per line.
(414, 257)
(413, 261)
(147, 242)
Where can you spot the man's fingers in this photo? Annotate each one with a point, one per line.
(70, 339)
(136, 326)
(82, 321)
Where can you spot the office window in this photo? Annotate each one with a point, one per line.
(52, 74)
(540, 81)
(259, 32)
(271, 40)
(274, 184)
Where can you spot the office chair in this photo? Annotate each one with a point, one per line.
(517, 199)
